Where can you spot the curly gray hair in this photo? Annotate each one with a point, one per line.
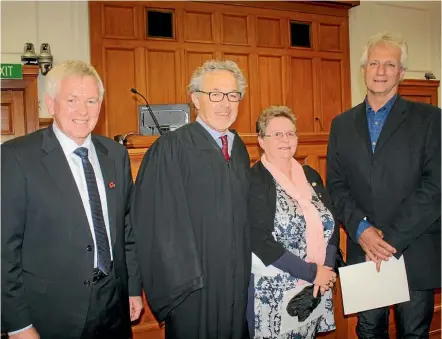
(217, 65)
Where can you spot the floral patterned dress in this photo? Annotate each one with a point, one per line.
(268, 304)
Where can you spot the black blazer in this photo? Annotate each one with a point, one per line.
(398, 187)
(46, 240)
(262, 209)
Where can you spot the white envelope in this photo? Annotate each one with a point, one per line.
(289, 323)
(363, 288)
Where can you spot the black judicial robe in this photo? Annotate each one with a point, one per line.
(189, 216)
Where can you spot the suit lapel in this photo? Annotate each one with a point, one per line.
(362, 127)
(58, 168)
(107, 166)
(395, 118)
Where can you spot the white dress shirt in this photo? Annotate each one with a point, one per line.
(76, 166)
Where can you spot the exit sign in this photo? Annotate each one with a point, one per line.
(11, 71)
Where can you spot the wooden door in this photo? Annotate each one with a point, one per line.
(19, 104)
(13, 114)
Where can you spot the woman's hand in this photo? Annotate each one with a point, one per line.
(325, 278)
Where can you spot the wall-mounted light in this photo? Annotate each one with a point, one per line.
(44, 60)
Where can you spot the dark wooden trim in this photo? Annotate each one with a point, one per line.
(419, 82)
(248, 139)
(334, 8)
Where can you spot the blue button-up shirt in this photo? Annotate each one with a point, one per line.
(375, 121)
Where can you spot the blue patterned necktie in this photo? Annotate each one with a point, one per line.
(103, 251)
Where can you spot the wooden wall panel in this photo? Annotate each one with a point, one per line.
(269, 32)
(300, 98)
(234, 29)
(121, 109)
(322, 166)
(242, 123)
(331, 91)
(271, 84)
(119, 22)
(330, 37)
(195, 59)
(162, 67)
(199, 26)
(203, 30)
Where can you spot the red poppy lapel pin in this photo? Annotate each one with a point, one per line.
(111, 184)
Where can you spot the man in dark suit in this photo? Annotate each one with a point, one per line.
(68, 258)
(384, 177)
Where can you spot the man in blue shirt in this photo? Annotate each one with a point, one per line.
(384, 178)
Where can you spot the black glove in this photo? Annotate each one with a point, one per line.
(303, 304)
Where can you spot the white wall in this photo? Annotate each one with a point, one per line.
(419, 22)
(62, 24)
(65, 26)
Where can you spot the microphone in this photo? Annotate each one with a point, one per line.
(155, 121)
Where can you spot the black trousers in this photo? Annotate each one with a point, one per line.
(413, 318)
(105, 317)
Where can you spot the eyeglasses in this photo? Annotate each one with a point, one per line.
(280, 135)
(219, 96)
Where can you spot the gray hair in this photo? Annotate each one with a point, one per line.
(273, 112)
(70, 68)
(387, 38)
(217, 65)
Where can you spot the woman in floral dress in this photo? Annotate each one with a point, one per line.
(294, 235)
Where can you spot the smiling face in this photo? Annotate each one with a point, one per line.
(383, 71)
(283, 148)
(76, 106)
(217, 115)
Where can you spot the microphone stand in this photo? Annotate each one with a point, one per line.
(152, 115)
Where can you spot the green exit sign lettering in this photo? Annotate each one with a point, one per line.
(11, 71)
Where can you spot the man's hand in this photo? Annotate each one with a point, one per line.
(135, 307)
(375, 248)
(30, 333)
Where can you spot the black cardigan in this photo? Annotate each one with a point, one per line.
(262, 209)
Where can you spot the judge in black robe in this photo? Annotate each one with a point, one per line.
(189, 216)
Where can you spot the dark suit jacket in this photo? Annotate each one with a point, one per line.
(46, 240)
(397, 187)
(262, 209)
